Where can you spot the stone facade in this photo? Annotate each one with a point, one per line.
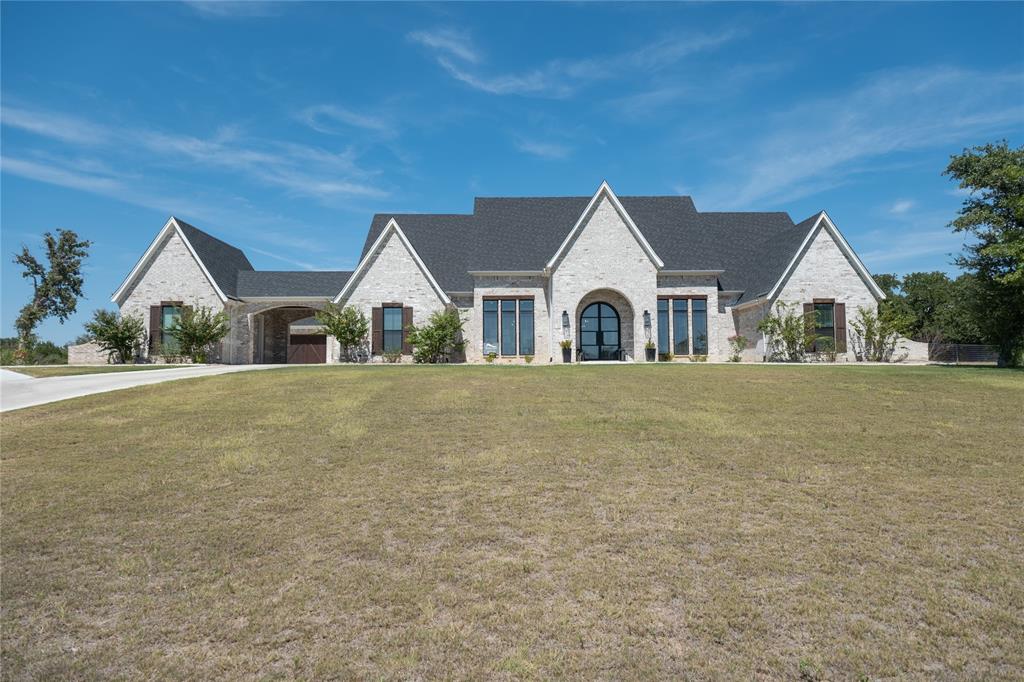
(824, 271)
(171, 275)
(391, 275)
(87, 354)
(605, 254)
(604, 261)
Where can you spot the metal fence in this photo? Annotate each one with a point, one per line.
(963, 353)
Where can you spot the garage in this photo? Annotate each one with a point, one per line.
(307, 349)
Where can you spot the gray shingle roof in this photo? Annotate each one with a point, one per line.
(506, 233)
(312, 284)
(222, 260)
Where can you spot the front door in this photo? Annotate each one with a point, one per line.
(599, 333)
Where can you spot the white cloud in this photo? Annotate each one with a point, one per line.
(63, 177)
(320, 117)
(822, 143)
(561, 78)
(544, 150)
(447, 40)
(54, 125)
(901, 207)
(301, 170)
(229, 9)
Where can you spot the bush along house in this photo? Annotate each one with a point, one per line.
(608, 277)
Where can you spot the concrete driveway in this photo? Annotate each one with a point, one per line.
(18, 391)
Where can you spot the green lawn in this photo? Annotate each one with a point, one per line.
(69, 370)
(499, 522)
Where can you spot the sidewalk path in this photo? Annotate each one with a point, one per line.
(18, 390)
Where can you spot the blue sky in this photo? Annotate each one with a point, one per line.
(282, 128)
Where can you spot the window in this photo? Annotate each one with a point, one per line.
(824, 326)
(490, 327)
(663, 346)
(508, 326)
(681, 326)
(700, 326)
(169, 316)
(526, 327)
(393, 329)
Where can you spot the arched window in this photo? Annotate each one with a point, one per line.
(599, 332)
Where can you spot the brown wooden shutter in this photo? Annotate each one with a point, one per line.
(406, 323)
(154, 329)
(810, 322)
(377, 331)
(840, 315)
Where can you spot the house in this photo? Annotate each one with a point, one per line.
(607, 273)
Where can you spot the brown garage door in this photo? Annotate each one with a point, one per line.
(307, 349)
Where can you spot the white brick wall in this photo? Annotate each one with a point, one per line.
(392, 276)
(825, 272)
(511, 287)
(604, 255)
(172, 275)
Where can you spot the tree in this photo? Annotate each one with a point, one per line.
(787, 332)
(56, 289)
(993, 213)
(197, 330)
(348, 325)
(120, 337)
(929, 306)
(435, 341)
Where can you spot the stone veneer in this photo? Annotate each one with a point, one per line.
(826, 272)
(172, 275)
(604, 254)
(391, 276)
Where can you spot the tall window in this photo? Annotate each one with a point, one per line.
(824, 326)
(680, 327)
(700, 326)
(490, 327)
(392, 329)
(508, 327)
(526, 327)
(663, 346)
(169, 316)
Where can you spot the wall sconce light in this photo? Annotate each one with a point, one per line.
(565, 324)
(647, 324)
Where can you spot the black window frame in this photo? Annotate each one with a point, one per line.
(821, 331)
(494, 320)
(169, 344)
(664, 330)
(387, 333)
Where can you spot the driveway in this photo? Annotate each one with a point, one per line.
(18, 391)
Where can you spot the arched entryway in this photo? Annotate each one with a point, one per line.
(600, 332)
(288, 334)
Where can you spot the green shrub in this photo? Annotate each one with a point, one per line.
(787, 332)
(197, 330)
(874, 336)
(392, 356)
(737, 344)
(120, 337)
(349, 326)
(439, 338)
(490, 357)
(528, 359)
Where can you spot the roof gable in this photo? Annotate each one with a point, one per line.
(604, 192)
(211, 251)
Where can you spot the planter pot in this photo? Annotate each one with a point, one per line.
(567, 355)
(649, 352)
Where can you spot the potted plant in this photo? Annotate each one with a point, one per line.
(566, 345)
(649, 351)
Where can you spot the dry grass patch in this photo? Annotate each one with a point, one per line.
(519, 523)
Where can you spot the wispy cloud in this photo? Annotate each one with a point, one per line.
(561, 78)
(63, 177)
(324, 118)
(902, 206)
(301, 170)
(822, 143)
(447, 40)
(226, 9)
(54, 125)
(545, 150)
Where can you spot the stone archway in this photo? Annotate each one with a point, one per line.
(623, 310)
(272, 333)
